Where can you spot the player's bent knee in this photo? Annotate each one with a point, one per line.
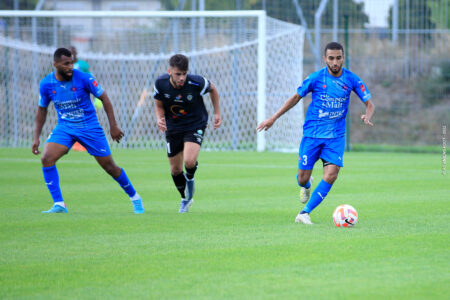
(176, 170)
(47, 161)
(190, 163)
(330, 178)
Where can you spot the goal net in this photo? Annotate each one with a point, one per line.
(254, 61)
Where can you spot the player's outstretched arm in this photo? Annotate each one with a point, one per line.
(160, 119)
(291, 102)
(41, 116)
(115, 131)
(370, 108)
(214, 94)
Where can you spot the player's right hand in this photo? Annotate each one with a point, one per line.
(162, 125)
(265, 125)
(35, 147)
(116, 133)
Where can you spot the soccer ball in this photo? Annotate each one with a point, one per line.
(345, 216)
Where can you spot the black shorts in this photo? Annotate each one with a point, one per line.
(175, 141)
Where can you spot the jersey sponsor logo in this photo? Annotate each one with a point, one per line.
(179, 98)
(362, 87)
(332, 104)
(323, 114)
(193, 83)
(54, 92)
(94, 83)
(177, 111)
(336, 114)
(329, 102)
(332, 114)
(324, 86)
(165, 95)
(74, 89)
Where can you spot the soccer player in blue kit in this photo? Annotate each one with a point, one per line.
(182, 116)
(69, 91)
(324, 127)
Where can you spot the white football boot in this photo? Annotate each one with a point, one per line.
(303, 218)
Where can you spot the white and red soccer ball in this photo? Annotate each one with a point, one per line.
(345, 216)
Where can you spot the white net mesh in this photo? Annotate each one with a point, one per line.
(126, 55)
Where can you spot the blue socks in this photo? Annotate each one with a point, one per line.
(307, 185)
(126, 184)
(317, 196)
(51, 178)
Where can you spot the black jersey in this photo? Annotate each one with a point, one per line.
(184, 108)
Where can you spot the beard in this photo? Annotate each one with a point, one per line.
(335, 69)
(176, 85)
(64, 75)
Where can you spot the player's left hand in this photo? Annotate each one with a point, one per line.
(35, 147)
(217, 121)
(366, 120)
(116, 133)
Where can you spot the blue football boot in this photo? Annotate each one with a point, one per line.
(55, 209)
(138, 208)
(184, 205)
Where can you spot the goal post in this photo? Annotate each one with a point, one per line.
(254, 60)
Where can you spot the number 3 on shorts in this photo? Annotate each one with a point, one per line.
(305, 160)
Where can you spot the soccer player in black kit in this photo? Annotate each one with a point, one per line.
(181, 114)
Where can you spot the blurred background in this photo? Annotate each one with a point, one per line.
(400, 48)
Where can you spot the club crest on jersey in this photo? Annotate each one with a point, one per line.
(94, 83)
(189, 97)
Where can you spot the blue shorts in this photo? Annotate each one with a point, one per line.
(92, 138)
(311, 149)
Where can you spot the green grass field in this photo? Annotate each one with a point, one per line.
(239, 240)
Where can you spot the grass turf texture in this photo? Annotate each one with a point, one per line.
(239, 240)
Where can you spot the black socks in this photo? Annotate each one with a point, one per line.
(190, 172)
(180, 183)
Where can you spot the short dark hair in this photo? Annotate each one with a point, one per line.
(180, 62)
(60, 52)
(333, 46)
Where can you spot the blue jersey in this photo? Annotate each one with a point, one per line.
(325, 117)
(71, 98)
